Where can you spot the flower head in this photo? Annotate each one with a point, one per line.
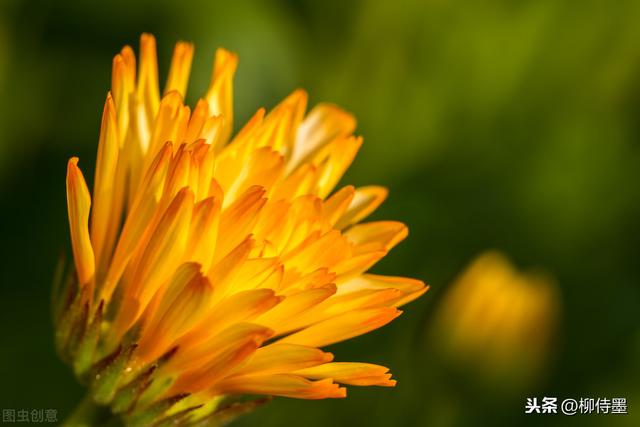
(497, 322)
(210, 266)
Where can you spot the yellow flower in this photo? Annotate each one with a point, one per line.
(498, 323)
(211, 266)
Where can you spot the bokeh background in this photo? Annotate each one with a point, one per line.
(511, 125)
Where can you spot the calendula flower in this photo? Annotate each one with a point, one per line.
(210, 266)
(497, 323)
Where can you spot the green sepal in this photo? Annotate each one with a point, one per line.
(85, 351)
(227, 414)
(128, 395)
(179, 418)
(155, 389)
(71, 325)
(143, 417)
(159, 385)
(109, 373)
(62, 280)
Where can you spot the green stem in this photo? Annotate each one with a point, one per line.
(87, 414)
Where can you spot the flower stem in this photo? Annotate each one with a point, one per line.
(87, 414)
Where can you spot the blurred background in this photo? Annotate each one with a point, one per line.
(496, 124)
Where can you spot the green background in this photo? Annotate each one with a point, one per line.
(496, 124)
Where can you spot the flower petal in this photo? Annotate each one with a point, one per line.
(108, 198)
(180, 68)
(285, 385)
(343, 327)
(238, 220)
(283, 358)
(182, 304)
(148, 88)
(78, 205)
(324, 123)
(365, 201)
(279, 318)
(360, 374)
(409, 289)
(376, 235)
(220, 93)
(140, 218)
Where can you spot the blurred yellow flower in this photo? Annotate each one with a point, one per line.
(211, 266)
(498, 322)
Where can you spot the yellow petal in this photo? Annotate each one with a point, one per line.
(78, 205)
(140, 218)
(316, 279)
(203, 163)
(182, 304)
(224, 361)
(220, 93)
(359, 263)
(302, 181)
(361, 374)
(324, 123)
(288, 114)
(165, 247)
(123, 82)
(284, 385)
(343, 327)
(134, 150)
(263, 168)
(177, 176)
(240, 307)
(335, 206)
(318, 251)
(305, 216)
(107, 203)
(275, 225)
(180, 68)
(211, 131)
(170, 124)
(241, 144)
(148, 89)
(217, 348)
(365, 201)
(197, 120)
(409, 289)
(283, 358)
(280, 318)
(280, 126)
(157, 256)
(238, 220)
(343, 303)
(376, 235)
(255, 272)
(333, 161)
(203, 232)
(224, 272)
